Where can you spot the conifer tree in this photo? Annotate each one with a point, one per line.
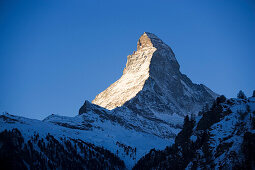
(241, 95)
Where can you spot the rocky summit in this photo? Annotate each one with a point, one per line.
(152, 84)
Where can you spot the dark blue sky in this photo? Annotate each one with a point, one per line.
(56, 54)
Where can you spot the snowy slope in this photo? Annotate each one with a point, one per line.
(229, 133)
(221, 138)
(51, 152)
(95, 130)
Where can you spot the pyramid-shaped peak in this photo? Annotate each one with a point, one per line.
(152, 80)
(149, 40)
(150, 35)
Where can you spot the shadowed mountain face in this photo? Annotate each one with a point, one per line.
(152, 84)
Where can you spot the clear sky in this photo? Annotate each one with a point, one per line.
(55, 54)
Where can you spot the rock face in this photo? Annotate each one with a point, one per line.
(152, 83)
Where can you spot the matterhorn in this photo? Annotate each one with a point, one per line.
(152, 89)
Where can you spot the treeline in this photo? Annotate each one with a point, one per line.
(127, 149)
(50, 153)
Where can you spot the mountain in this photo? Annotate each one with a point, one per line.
(152, 83)
(153, 95)
(144, 109)
(220, 138)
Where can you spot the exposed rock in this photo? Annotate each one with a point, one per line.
(152, 83)
(88, 107)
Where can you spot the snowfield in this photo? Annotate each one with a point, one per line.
(103, 133)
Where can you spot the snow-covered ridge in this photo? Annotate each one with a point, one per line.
(95, 128)
(222, 137)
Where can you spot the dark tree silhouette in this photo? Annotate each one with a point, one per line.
(241, 95)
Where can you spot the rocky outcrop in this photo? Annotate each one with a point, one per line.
(89, 107)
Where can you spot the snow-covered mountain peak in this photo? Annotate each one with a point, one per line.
(154, 70)
(134, 76)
